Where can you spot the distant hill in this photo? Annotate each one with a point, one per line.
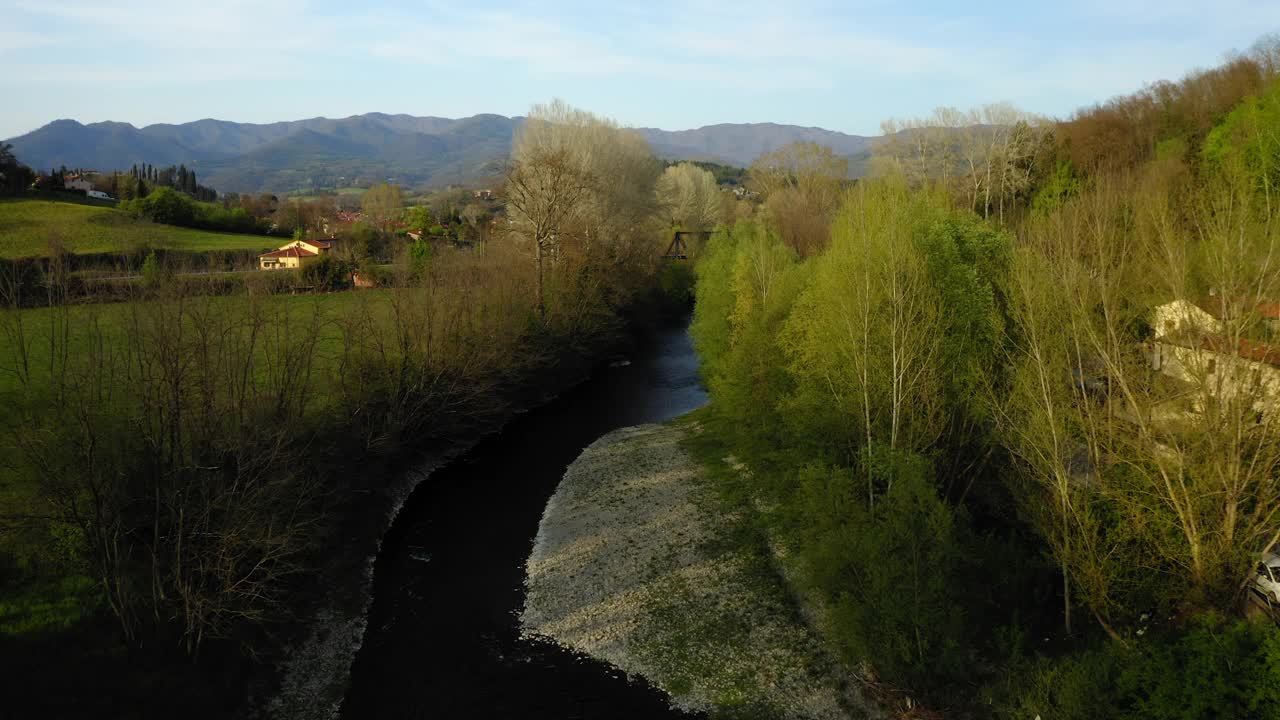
(323, 152)
(741, 144)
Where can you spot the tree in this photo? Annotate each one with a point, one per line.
(690, 197)
(151, 272)
(986, 155)
(419, 256)
(865, 338)
(580, 189)
(479, 219)
(14, 176)
(1153, 487)
(419, 219)
(382, 204)
(897, 578)
(545, 186)
(1246, 144)
(801, 184)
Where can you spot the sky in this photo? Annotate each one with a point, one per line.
(673, 64)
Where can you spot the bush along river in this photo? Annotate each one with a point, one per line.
(443, 636)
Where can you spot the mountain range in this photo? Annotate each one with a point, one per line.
(332, 153)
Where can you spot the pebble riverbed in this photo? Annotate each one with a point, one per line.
(633, 565)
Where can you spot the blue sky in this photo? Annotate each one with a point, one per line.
(670, 64)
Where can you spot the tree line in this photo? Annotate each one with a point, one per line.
(147, 178)
(947, 382)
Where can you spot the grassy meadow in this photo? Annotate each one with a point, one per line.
(77, 327)
(27, 226)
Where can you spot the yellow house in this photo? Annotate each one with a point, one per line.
(294, 255)
(319, 247)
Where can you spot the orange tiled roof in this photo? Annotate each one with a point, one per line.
(290, 252)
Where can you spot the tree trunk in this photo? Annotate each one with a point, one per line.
(542, 305)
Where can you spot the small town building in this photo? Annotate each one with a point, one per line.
(286, 258)
(318, 247)
(295, 254)
(1191, 345)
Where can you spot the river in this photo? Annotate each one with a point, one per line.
(443, 636)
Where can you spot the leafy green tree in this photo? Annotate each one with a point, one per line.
(151, 272)
(864, 342)
(167, 206)
(365, 242)
(1062, 185)
(898, 601)
(1246, 144)
(748, 375)
(419, 260)
(419, 219)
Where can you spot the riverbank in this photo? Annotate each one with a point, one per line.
(443, 637)
(315, 676)
(312, 679)
(639, 562)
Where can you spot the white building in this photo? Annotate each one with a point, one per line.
(1194, 347)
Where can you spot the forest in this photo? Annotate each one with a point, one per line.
(1010, 400)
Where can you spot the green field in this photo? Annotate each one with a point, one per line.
(310, 195)
(37, 326)
(27, 227)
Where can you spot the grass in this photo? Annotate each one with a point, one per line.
(39, 323)
(49, 604)
(35, 592)
(310, 195)
(27, 226)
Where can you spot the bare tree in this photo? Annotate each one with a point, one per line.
(1143, 406)
(544, 187)
(984, 155)
(690, 197)
(579, 186)
(382, 204)
(801, 184)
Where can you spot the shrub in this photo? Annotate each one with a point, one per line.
(324, 273)
(1212, 668)
(151, 272)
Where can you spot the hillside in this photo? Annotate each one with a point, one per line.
(375, 147)
(740, 144)
(27, 226)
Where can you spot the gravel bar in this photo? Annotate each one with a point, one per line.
(635, 563)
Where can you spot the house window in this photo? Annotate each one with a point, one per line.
(1213, 365)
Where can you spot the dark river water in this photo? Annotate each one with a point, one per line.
(443, 638)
